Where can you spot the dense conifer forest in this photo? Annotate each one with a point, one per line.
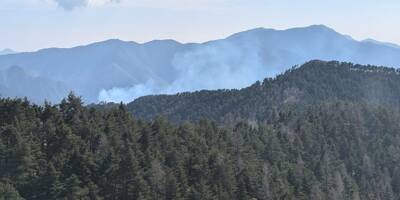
(313, 82)
(325, 130)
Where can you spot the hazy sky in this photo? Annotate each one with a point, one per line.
(27, 25)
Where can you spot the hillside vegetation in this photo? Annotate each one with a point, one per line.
(314, 82)
(326, 130)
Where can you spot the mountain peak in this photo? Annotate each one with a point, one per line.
(166, 41)
(113, 42)
(7, 51)
(312, 29)
(319, 27)
(369, 40)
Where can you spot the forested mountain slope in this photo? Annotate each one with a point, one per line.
(325, 130)
(314, 82)
(331, 150)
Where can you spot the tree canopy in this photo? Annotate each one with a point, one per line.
(328, 146)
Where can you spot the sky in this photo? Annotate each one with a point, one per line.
(29, 25)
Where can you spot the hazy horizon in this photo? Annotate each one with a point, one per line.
(29, 25)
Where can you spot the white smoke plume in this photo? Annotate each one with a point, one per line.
(218, 66)
(128, 94)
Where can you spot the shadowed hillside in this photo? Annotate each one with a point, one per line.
(311, 83)
(324, 130)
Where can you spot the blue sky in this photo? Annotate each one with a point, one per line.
(27, 25)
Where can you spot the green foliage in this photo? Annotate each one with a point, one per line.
(313, 82)
(8, 192)
(320, 147)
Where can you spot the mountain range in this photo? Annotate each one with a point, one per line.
(116, 70)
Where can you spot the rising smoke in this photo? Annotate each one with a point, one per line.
(214, 66)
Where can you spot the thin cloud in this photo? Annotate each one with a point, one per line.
(72, 4)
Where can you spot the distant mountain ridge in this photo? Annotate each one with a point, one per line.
(381, 43)
(7, 51)
(15, 82)
(116, 70)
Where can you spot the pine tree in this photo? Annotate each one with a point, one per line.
(73, 190)
(8, 192)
